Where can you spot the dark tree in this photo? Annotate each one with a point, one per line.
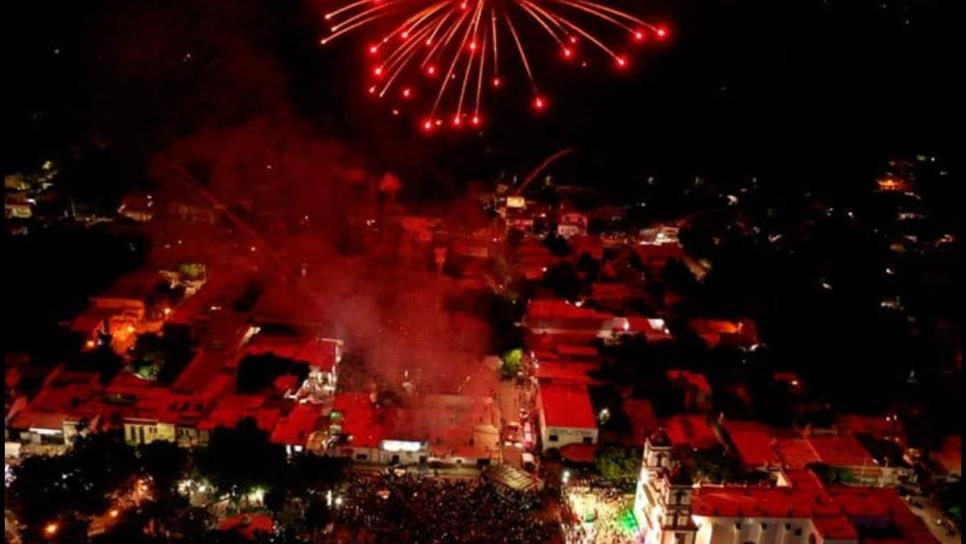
(257, 372)
(102, 360)
(241, 459)
(557, 245)
(588, 266)
(563, 280)
(79, 482)
(165, 462)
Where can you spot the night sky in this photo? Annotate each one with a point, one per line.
(799, 88)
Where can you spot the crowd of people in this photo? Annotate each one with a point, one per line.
(412, 508)
(597, 515)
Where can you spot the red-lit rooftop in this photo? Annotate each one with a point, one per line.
(567, 405)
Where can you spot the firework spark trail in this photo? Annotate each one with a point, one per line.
(479, 84)
(451, 41)
(452, 65)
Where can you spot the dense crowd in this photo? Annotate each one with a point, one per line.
(597, 515)
(409, 508)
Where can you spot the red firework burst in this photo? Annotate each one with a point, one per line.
(457, 44)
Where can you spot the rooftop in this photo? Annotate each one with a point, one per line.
(557, 371)
(692, 430)
(754, 443)
(839, 512)
(295, 427)
(579, 453)
(567, 405)
(361, 419)
(840, 450)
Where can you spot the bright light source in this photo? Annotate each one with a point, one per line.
(51, 529)
(396, 446)
(256, 495)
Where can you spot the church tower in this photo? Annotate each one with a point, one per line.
(662, 503)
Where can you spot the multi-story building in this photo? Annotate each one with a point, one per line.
(662, 504)
(795, 508)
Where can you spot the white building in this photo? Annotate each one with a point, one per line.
(662, 504)
(566, 416)
(798, 509)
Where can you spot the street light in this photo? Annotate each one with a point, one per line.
(51, 529)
